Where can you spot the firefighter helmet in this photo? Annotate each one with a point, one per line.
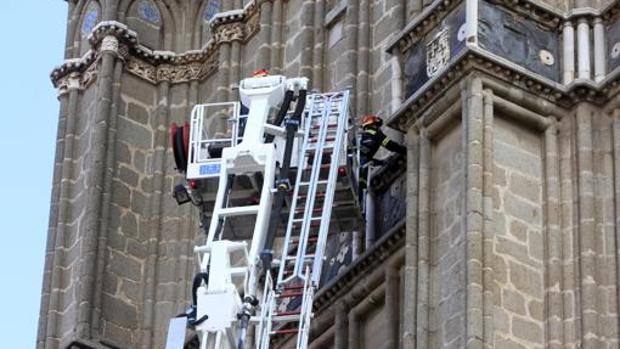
(368, 120)
(260, 73)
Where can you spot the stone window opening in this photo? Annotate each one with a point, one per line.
(90, 18)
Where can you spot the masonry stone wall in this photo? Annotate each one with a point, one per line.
(446, 255)
(518, 212)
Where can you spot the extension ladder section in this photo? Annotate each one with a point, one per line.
(300, 265)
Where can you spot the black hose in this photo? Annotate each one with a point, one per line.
(288, 98)
(198, 279)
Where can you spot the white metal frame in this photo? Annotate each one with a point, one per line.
(199, 166)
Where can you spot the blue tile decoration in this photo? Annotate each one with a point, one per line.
(91, 18)
(149, 12)
(211, 9)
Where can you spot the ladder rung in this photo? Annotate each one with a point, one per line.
(327, 139)
(305, 184)
(306, 257)
(239, 211)
(297, 220)
(293, 287)
(300, 210)
(326, 149)
(287, 331)
(287, 313)
(317, 196)
(313, 238)
(291, 294)
(330, 125)
(323, 166)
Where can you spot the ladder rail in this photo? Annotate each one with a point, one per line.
(299, 176)
(312, 187)
(320, 138)
(331, 186)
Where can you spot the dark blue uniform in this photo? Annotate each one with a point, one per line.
(372, 140)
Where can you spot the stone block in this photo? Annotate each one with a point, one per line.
(134, 133)
(112, 333)
(523, 210)
(124, 266)
(526, 280)
(527, 330)
(128, 176)
(119, 312)
(513, 302)
(518, 230)
(536, 310)
(137, 113)
(121, 194)
(506, 343)
(130, 225)
(122, 153)
(138, 202)
(137, 89)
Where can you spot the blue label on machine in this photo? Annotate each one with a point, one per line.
(210, 169)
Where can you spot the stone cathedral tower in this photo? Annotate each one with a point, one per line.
(503, 230)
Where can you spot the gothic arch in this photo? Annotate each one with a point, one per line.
(156, 35)
(202, 32)
(90, 15)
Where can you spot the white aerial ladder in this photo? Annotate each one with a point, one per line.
(323, 148)
(228, 269)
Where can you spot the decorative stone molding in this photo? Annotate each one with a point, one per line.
(237, 25)
(229, 32)
(109, 43)
(115, 29)
(74, 75)
(171, 72)
(154, 66)
(540, 73)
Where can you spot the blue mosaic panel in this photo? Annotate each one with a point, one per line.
(212, 8)
(148, 12)
(391, 206)
(520, 40)
(91, 18)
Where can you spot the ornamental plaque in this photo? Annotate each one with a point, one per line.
(437, 53)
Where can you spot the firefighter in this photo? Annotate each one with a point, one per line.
(372, 140)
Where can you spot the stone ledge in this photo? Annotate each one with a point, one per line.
(380, 252)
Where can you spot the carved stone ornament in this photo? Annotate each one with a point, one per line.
(155, 66)
(109, 43)
(437, 53)
(141, 69)
(230, 32)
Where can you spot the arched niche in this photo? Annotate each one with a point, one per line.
(210, 9)
(145, 19)
(91, 15)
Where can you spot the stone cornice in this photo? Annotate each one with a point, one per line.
(155, 66)
(429, 18)
(342, 284)
(539, 11)
(475, 59)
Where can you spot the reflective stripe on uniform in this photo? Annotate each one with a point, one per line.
(371, 131)
(386, 140)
